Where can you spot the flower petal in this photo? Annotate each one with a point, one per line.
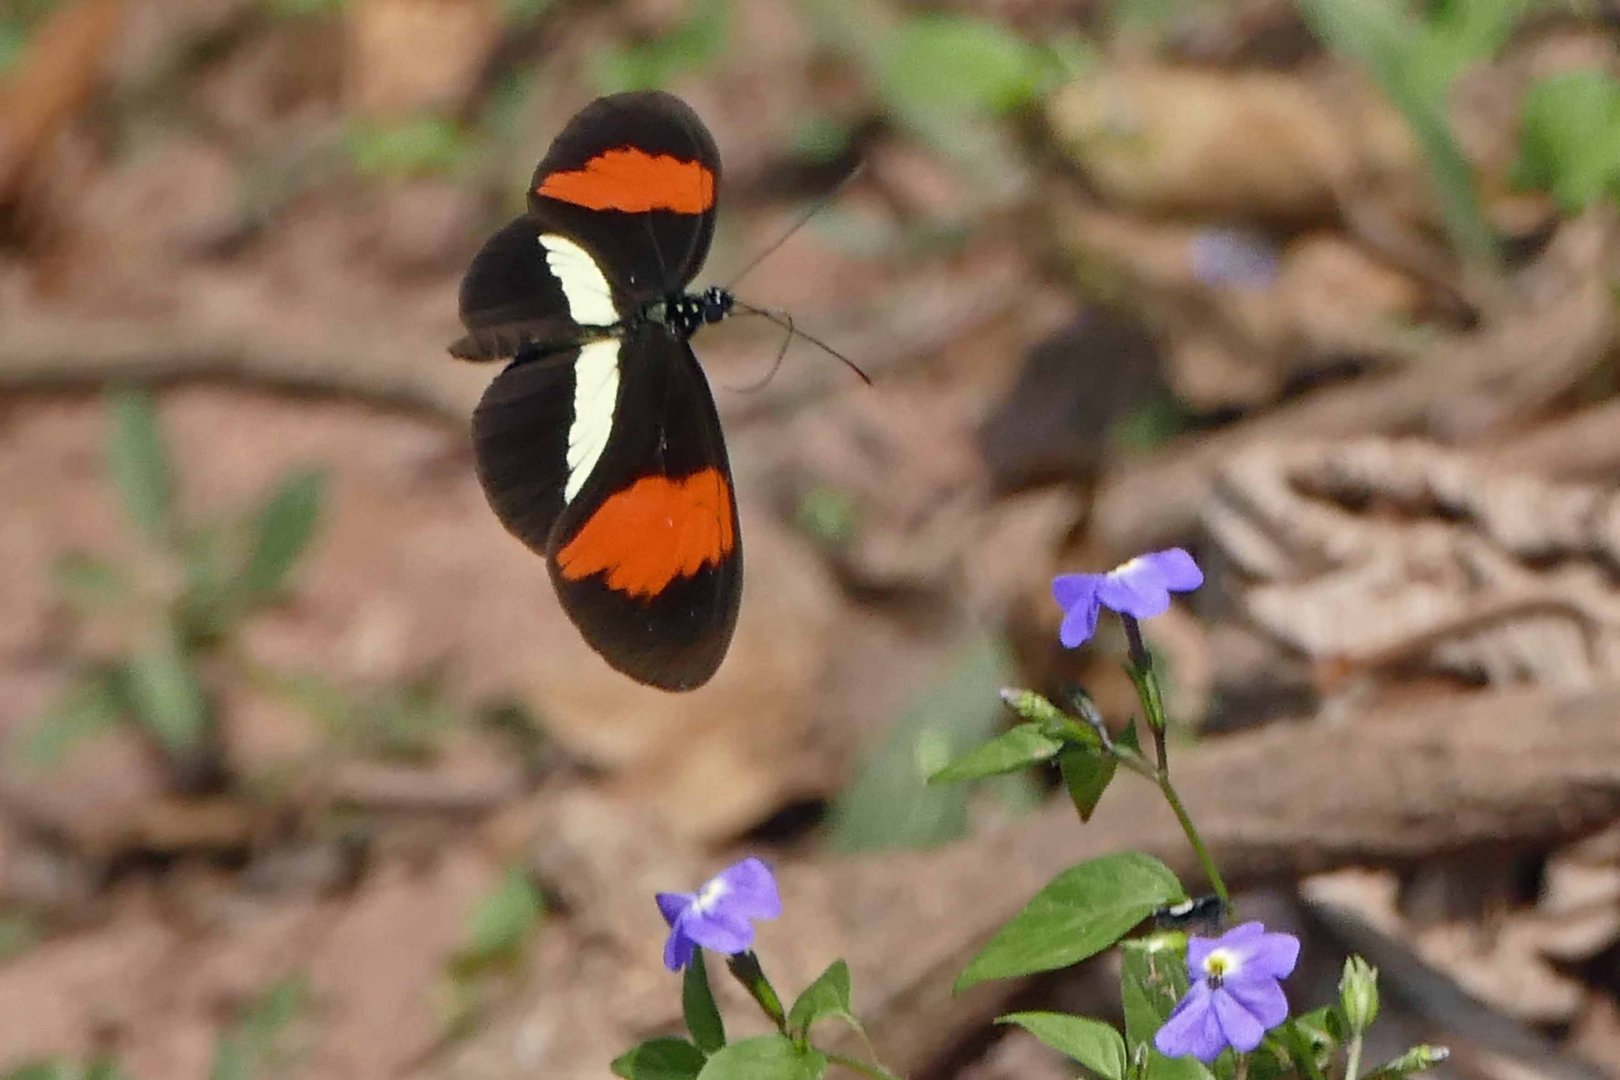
(1273, 954)
(1240, 1028)
(750, 891)
(720, 930)
(1253, 930)
(1260, 997)
(677, 950)
(1079, 624)
(1071, 589)
(671, 904)
(1136, 588)
(1192, 1027)
(1176, 568)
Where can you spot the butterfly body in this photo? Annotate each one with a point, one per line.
(598, 445)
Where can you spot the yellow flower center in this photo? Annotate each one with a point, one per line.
(1218, 965)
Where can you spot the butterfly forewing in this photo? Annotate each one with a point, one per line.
(633, 178)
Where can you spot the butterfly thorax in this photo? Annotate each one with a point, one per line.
(684, 313)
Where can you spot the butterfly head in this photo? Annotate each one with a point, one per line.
(685, 314)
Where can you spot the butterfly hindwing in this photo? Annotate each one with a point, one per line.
(646, 554)
(633, 179)
(520, 431)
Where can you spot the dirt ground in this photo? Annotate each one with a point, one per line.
(1123, 276)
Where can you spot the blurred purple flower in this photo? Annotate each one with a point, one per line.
(1235, 997)
(1140, 588)
(720, 915)
(1232, 257)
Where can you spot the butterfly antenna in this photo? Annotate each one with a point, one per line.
(785, 321)
(759, 384)
(803, 219)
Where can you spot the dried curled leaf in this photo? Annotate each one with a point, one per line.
(1374, 551)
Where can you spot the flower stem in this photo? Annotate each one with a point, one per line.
(1204, 860)
(744, 967)
(1352, 1058)
(858, 1066)
(1146, 680)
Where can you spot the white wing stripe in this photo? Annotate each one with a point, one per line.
(590, 298)
(596, 394)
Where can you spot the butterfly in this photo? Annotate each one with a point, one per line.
(598, 445)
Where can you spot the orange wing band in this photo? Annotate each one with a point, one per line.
(652, 532)
(635, 182)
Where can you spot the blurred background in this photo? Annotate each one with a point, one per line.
(305, 774)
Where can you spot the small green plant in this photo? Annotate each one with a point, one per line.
(497, 938)
(256, 1042)
(18, 19)
(1414, 58)
(406, 723)
(175, 606)
(890, 803)
(299, 9)
(693, 45)
(60, 1069)
(960, 63)
(420, 146)
(1569, 138)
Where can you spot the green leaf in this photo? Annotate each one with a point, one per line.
(660, 1059)
(695, 44)
(500, 925)
(1570, 138)
(1086, 775)
(207, 608)
(828, 515)
(165, 695)
(1090, 1042)
(890, 803)
(1413, 74)
(281, 531)
(19, 932)
(1082, 912)
(86, 709)
(767, 1057)
(957, 62)
(318, 696)
(90, 584)
(425, 145)
(43, 1070)
(697, 1005)
(139, 464)
(252, 1045)
(827, 996)
(301, 9)
(1153, 976)
(1015, 749)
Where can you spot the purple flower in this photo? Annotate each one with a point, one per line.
(719, 915)
(1140, 588)
(1233, 257)
(1235, 997)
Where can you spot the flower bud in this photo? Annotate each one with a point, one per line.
(1416, 1060)
(1358, 994)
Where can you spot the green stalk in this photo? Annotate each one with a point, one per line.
(745, 968)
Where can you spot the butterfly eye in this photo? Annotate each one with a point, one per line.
(716, 304)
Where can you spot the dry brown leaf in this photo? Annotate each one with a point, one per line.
(410, 56)
(1373, 552)
(61, 69)
(1160, 139)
